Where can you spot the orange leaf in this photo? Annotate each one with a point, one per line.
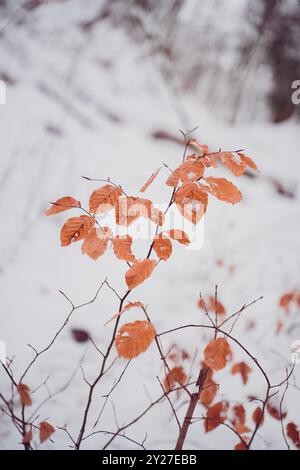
(27, 438)
(124, 309)
(179, 235)
(75, 229)
(139, 272)
(175, 376)
(150, 180)
(223, 189)
(131, 208)
(122, 247)
(293, 434)
(62, 204)
(211, 306)
(162, 247)
(95, 242)
(240, 446)
(217, 353)
(134, 338)
(215, 416)
(24, 392)
(243, 369)
(257, 416)
(233, 162)
(103, 199)
(46, 430)
(248, 161)
(202, 149)
(285, 300)
(190, 170)
(191, 202)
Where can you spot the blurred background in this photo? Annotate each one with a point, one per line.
(101, 88)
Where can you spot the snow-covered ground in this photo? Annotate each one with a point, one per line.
(87, 103)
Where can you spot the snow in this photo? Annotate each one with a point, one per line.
(86, 104)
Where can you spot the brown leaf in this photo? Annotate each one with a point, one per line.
(174, 377)
(286, 299)
(243, 369)
(191, 202)
(293, 434)
(46, 430)
(95, 242)
(134, 338)
(139, 272)
(75, 229)
(104, 199)
(162, 247)
(241, 446)
(239, 419)
(131, 208)
(150, 180)
(257, 416)
(209, 390)
(223, 189)
(24, 393)
(215, 415)
(62, 204)
(122, 247)
(179, 235)
(80, 336)
(217, 353)
(274, 410)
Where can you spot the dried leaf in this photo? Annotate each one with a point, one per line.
(274, 410)
(150, 180)
(122, 247)
(134, 338)
(233, 162)
(243, 369)
(241, 446)
(80, 336)
(174, 377)
(223, 189)
(217, 353)
(75, 229)
(95, 242)
(139, 272)
(191, 202)
(131, 208)
(211, 306)
(104, 199)
(257, 416)
(239, 419)
(286, 299)
(248, 161)
(293, 434)
(24, 393)
(46, 430)
(209, 390)
(162, 247)
(215, 415)
(62, 204)
(124, 309)
(190, 170)
(179, 235)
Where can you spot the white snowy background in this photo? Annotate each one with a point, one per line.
(87, 102)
